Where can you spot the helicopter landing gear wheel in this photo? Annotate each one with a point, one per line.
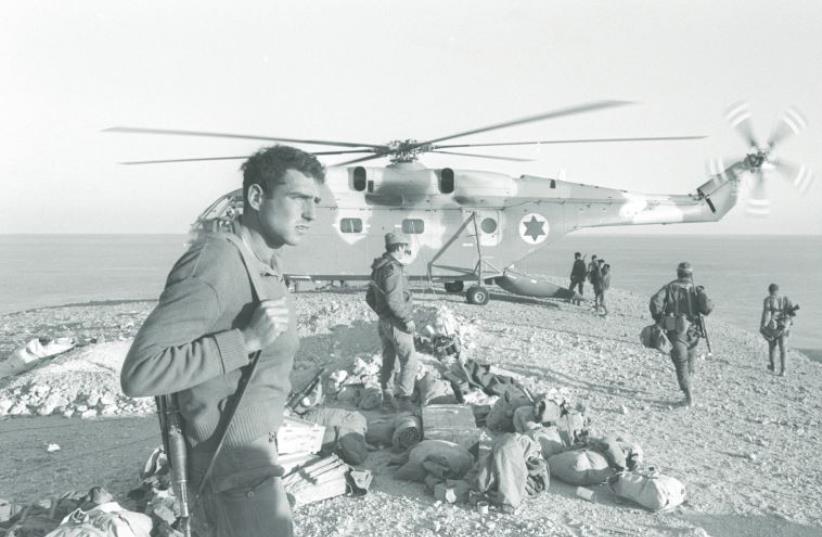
(477, 295)
(454, 287)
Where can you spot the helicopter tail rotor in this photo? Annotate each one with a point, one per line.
(739, 116)
(760, 159)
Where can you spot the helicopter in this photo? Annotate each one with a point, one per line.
(473, 226)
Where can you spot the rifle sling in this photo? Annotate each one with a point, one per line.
(247, 371)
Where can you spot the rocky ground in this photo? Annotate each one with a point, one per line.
(748, 453)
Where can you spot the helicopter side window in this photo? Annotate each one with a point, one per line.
(351, 225)
(413, 226)
(488, 225)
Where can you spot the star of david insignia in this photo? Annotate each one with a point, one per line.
(534, 228)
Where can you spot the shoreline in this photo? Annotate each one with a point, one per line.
(58, 330)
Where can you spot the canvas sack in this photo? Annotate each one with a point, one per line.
(651, 490)
(654, 337)
(580, 467)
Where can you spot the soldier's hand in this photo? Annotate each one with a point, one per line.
(268, 321)
(410, 327)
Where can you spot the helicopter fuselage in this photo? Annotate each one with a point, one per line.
(513, 217)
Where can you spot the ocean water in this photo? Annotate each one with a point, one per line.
(50, 270)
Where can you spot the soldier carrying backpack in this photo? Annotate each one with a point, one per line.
(389, 295)
(777, 317)
(677, 308)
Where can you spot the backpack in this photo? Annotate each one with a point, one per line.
(371, 293)
(371, 296)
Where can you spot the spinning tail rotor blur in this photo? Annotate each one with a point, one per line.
(760, 160)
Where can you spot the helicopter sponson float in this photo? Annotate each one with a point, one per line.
(473, 226)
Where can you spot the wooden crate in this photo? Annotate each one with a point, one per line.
(299, 436)
(454, 423)
(448, 417)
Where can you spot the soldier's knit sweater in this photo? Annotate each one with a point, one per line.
(191, 345)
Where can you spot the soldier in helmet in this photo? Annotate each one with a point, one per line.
(390, 294)
(677, 307)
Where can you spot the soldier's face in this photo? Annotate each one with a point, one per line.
(286, 213)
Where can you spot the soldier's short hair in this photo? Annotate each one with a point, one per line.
(772, 288)
(268, 166)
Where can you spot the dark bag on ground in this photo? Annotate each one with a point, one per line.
(654, 337)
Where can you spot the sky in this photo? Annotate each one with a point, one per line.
(381, 70)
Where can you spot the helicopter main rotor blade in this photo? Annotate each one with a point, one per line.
(243, 157)
(579, 109)
(140, 130)
(791, 122)
(513, 159)
(363, 159)
(739, 116)
(577, 141)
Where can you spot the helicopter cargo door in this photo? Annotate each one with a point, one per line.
(489, 224)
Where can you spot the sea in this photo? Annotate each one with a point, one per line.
(50, 270)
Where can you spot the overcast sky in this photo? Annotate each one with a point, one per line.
(376, 71)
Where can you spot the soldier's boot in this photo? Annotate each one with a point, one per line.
(770, 366)
(689, 399)
(389, 404)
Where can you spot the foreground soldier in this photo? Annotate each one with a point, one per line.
(392, 303)
(677, 307)
(775, 324)
(225, 299)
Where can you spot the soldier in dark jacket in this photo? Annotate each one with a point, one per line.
(677, 307)
(578, 273)
(392, 302)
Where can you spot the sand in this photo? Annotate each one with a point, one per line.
(748, 453)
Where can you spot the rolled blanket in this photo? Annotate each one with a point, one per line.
(407, 432)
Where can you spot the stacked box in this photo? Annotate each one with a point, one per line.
(454, 423)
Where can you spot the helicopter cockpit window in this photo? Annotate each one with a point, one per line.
(359, 178)
(413, 226)
(351, 225)
(447, 181)
(488, 225)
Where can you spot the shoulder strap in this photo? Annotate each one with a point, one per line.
(247, 371)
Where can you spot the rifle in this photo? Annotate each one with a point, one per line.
(700, 320)
(297, 396)
(171, 426)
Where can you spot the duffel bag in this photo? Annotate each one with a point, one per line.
(651, 490)
(580, 467)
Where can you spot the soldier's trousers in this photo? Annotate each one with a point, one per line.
(577, 282)
(397, 346)
(250, 502)
(683, 355)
